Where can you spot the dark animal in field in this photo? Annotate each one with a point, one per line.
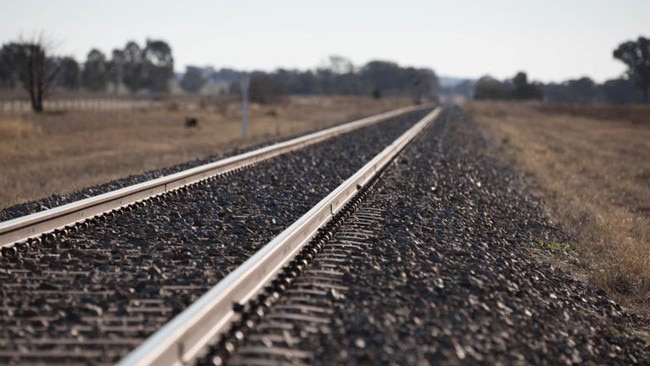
(191, 122)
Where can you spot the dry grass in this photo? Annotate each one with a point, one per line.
(59, 153)
(593, 166)
(16, 128)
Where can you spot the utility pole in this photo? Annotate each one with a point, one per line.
(244, 84)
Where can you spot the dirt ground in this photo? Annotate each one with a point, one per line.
(592, 165)
(58, 153)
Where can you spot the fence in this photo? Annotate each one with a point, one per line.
(105, 104)
(21, 106)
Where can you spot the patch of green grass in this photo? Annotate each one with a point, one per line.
(554, 246)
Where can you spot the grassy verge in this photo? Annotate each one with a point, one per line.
(592, 164)
(59, 153)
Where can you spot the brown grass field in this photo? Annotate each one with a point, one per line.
(58, 153)
(592, 165)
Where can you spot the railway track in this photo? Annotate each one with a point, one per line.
(257, 283)
(433, 266)
(81, 285)
(306, 305)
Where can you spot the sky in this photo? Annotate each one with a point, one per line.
(551, 40)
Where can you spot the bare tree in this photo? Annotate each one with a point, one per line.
(35, 72)
(338, 65)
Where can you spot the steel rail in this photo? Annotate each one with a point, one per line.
(181, 340)
(34, 225)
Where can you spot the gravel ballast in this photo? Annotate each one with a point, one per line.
(450, 278)
(119, 280)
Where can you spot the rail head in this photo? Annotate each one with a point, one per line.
(30, 226)
(181, 340)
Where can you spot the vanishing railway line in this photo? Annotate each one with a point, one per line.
(429, 264)
(110, 270)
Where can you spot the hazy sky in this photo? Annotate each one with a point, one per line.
(551, 40)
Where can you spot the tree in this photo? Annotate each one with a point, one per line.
(620, 91)
(338, 65)
(582, 90)
(116, 69)
(133, 76)
(636, 55)
(385, 77)
(69, 75)
(95, 72)
(517, 88)
(523, 90)
(424, 84)
(7, 68)
(488, 87)
(265, 89)
(326, 81)
(159, 65)
(35, 72)
(298, 82)
(193, 79)
(520, 81)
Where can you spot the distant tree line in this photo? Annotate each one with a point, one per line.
(585, 90)
(27, 63)
(582, 90)
(517, 88)
(338, 76)
(150, 68)
(633, 87)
